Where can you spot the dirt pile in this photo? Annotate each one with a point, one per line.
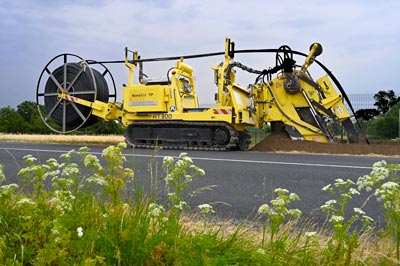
(280, 142)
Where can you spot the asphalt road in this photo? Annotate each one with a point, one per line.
(243, 180)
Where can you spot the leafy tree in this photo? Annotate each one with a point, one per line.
(366, 114)
(384, 100)
(27, 110)
(11, 121)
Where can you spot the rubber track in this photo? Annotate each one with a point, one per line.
(232, 145)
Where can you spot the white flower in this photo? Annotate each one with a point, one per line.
(155, 210)
(7, 190)
(182, 205)
(97, 179)
(353, 191)
(359, 211)
(187, 159)
(325, 188)
(367, 218)
(339, 182)
(294, 213)
(79, 230)
(200, 171)
(281, 190)
(27, 201)
(379, 164)
(264, 209)
(167, 160)
(336, 218)
(329, 204)
(206, 208)
(183, 154)
(278, 202)
(92, 161)
(122, 145)
(390, 185)
(29, 158)
(294, 196)
(310, 234)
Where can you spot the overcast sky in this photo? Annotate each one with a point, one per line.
(360, 38)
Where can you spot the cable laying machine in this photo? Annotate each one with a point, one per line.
(165, 112)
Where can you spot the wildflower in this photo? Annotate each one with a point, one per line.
(181, 205)
(389, 186)
(92, 161)
(53, 163)
(336, 218)
(310, 234)
(97, 179)
(187, 159)
(278, 202)
(367, 218)
(24, 201)
(379, 164)
(353, 191)
(29, 159)
(339, 182)
(67, 156)
(295, 213)
(122, 145)
(325, 188)
(8, 190)
(281, 190)
(294, 196)
(206, 208)
(328, 205)
(155, 210)
(79, 230)
(200, 171)
(71, 170)
(359, 211)
(264, 209)
(167, 160)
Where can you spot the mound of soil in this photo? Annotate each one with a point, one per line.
(280, 142)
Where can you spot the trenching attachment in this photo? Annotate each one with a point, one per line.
(76, 79)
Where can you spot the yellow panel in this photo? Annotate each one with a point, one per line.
(142, 98)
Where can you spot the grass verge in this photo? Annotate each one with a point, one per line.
(80, 210)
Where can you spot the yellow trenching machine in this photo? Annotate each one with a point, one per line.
(164, 112)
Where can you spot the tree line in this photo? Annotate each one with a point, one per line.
(25, 119)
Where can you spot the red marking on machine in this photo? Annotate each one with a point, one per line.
(70, 98)
(222, 111)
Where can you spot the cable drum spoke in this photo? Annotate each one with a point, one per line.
(53, 109)
(64, 117)
(54, 79)
(78, 111)
(65, 72)
(73, 93)
(74, 80)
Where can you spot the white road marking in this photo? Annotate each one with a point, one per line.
(211, 159)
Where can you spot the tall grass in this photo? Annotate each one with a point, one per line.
(83, 210)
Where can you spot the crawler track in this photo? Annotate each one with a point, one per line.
(185, 135)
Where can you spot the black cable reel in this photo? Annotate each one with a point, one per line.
(76, 78)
